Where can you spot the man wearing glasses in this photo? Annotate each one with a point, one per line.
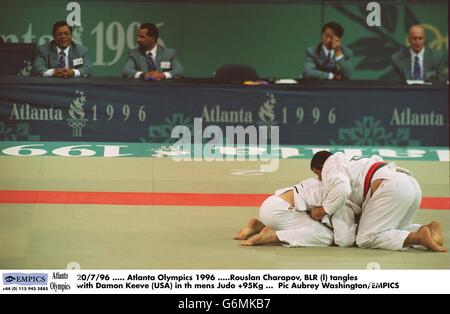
(62, 57)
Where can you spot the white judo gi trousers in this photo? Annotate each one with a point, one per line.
(387, 214)
(293, 227)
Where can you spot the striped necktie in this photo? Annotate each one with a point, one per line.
(417, 73)
(150, 62)
(62, 60)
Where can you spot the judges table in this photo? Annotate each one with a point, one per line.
(16, 58)
(104, 109)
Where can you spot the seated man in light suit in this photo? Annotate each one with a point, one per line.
(417, 62)
(151, 61)
(62, 57)
(329, 60)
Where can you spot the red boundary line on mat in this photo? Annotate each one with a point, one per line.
(152, 198)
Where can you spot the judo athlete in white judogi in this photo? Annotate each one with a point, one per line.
(283, 219)
(386, 196)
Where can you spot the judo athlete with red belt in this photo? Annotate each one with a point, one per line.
(385, 196)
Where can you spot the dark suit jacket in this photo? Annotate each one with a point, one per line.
(315, 63)
(47, 58)
(433, 66)
(137, 62)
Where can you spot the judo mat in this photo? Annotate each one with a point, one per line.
(157, 213)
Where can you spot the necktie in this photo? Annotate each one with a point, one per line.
(328, 62)
(416, 71)
(150, 62)
(62, 60)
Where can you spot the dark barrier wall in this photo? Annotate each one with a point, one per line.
(271, 36)
(116, 110)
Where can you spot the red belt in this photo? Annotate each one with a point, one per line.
(370, 174)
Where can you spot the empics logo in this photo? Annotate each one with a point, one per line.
(10, 278)
(23, 279)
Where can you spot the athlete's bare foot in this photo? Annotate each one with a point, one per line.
(266, 236)
(423, 237)
(436, 232)
(254, 226)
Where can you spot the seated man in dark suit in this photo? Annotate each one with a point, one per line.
(330, 59)
(417, 62)
(62, 57)
(151, 61)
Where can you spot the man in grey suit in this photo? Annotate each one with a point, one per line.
(417, 62)
(151, 61)
(62, 57)
(330, 59)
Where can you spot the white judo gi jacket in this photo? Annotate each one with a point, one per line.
(386, 216)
